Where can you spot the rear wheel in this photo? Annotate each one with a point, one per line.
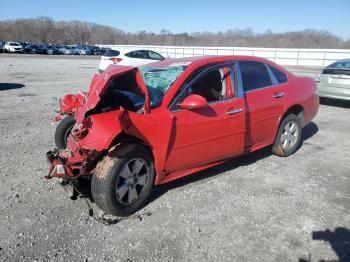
(288, 137)
(63, 130)
(123, 181)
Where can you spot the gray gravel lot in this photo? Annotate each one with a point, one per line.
(256, 208)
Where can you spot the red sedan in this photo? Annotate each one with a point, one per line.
(140, 127)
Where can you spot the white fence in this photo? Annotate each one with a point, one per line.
(283, 56)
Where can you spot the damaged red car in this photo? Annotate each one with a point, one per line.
(140, 127)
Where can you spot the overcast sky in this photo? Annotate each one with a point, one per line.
(191, 16)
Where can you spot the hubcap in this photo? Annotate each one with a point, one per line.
(289, 135)
(132, 180)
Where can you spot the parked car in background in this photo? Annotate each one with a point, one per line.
(143, 126)
(334, 80)
(67, 50)
(13, 47)
(33, 49)
(129, 57)
(2, 46)
(52, 50)
(24, 44)
(95, 50)
(84, 51)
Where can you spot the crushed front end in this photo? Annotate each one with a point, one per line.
(100, 116)
(73, 164)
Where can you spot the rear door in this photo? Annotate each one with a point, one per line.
(202, 136)
(264, 97)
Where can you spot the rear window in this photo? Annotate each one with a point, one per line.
(111, 53)
(340, 64)
(336, 71)
(280, 76)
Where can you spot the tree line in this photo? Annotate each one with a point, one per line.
(47, 30)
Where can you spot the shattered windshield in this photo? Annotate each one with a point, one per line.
(158, 80)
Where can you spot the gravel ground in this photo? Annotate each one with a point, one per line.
(256, 208)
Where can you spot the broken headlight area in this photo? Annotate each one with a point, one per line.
(65, 164)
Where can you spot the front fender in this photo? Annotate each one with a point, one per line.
(102, 129)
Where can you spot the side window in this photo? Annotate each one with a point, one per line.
(136, 54)
(280, 76)
(154, 55)
(254, 75)
(212, 86)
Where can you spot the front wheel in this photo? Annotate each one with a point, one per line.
(63, 130)
(288, 136)
(123, 180)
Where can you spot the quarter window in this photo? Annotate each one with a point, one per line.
(254, 75)
(154, 55)
(280, 76)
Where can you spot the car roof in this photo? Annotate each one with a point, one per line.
(207, 60)
(346, 60)
(125, 50)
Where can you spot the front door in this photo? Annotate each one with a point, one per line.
(213, 133)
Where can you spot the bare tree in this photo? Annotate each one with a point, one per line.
(46, 30)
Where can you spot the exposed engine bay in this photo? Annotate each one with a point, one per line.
(122, 91)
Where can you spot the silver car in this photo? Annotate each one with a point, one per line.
(334, 80)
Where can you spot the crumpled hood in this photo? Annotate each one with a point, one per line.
(99, 85)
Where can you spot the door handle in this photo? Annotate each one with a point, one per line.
(235, 111)
(278, 95)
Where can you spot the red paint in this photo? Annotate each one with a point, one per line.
(184, 141)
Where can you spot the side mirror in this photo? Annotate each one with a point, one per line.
(193, 102)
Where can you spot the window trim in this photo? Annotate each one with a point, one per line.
(234, 83)
(273, 78)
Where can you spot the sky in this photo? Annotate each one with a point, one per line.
(180, 16)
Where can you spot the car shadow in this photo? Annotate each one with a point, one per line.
(308, 131)
(335, 102)
(9, 86)
(339, 240)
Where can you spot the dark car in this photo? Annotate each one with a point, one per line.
(34, 49)
(95, 50)
(2, 44)
(51, 50)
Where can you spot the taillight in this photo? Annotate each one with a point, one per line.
(316, 86)
(317, 78)
(115, 60)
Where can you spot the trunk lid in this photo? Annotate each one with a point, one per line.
(336, 77)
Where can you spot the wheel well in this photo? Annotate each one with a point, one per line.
(124, 138)
(297, 110)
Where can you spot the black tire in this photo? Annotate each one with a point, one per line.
(287, 145)
(63, 130)
(109, 175)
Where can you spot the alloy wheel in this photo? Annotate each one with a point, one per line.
(289, 135)
(132, 180)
